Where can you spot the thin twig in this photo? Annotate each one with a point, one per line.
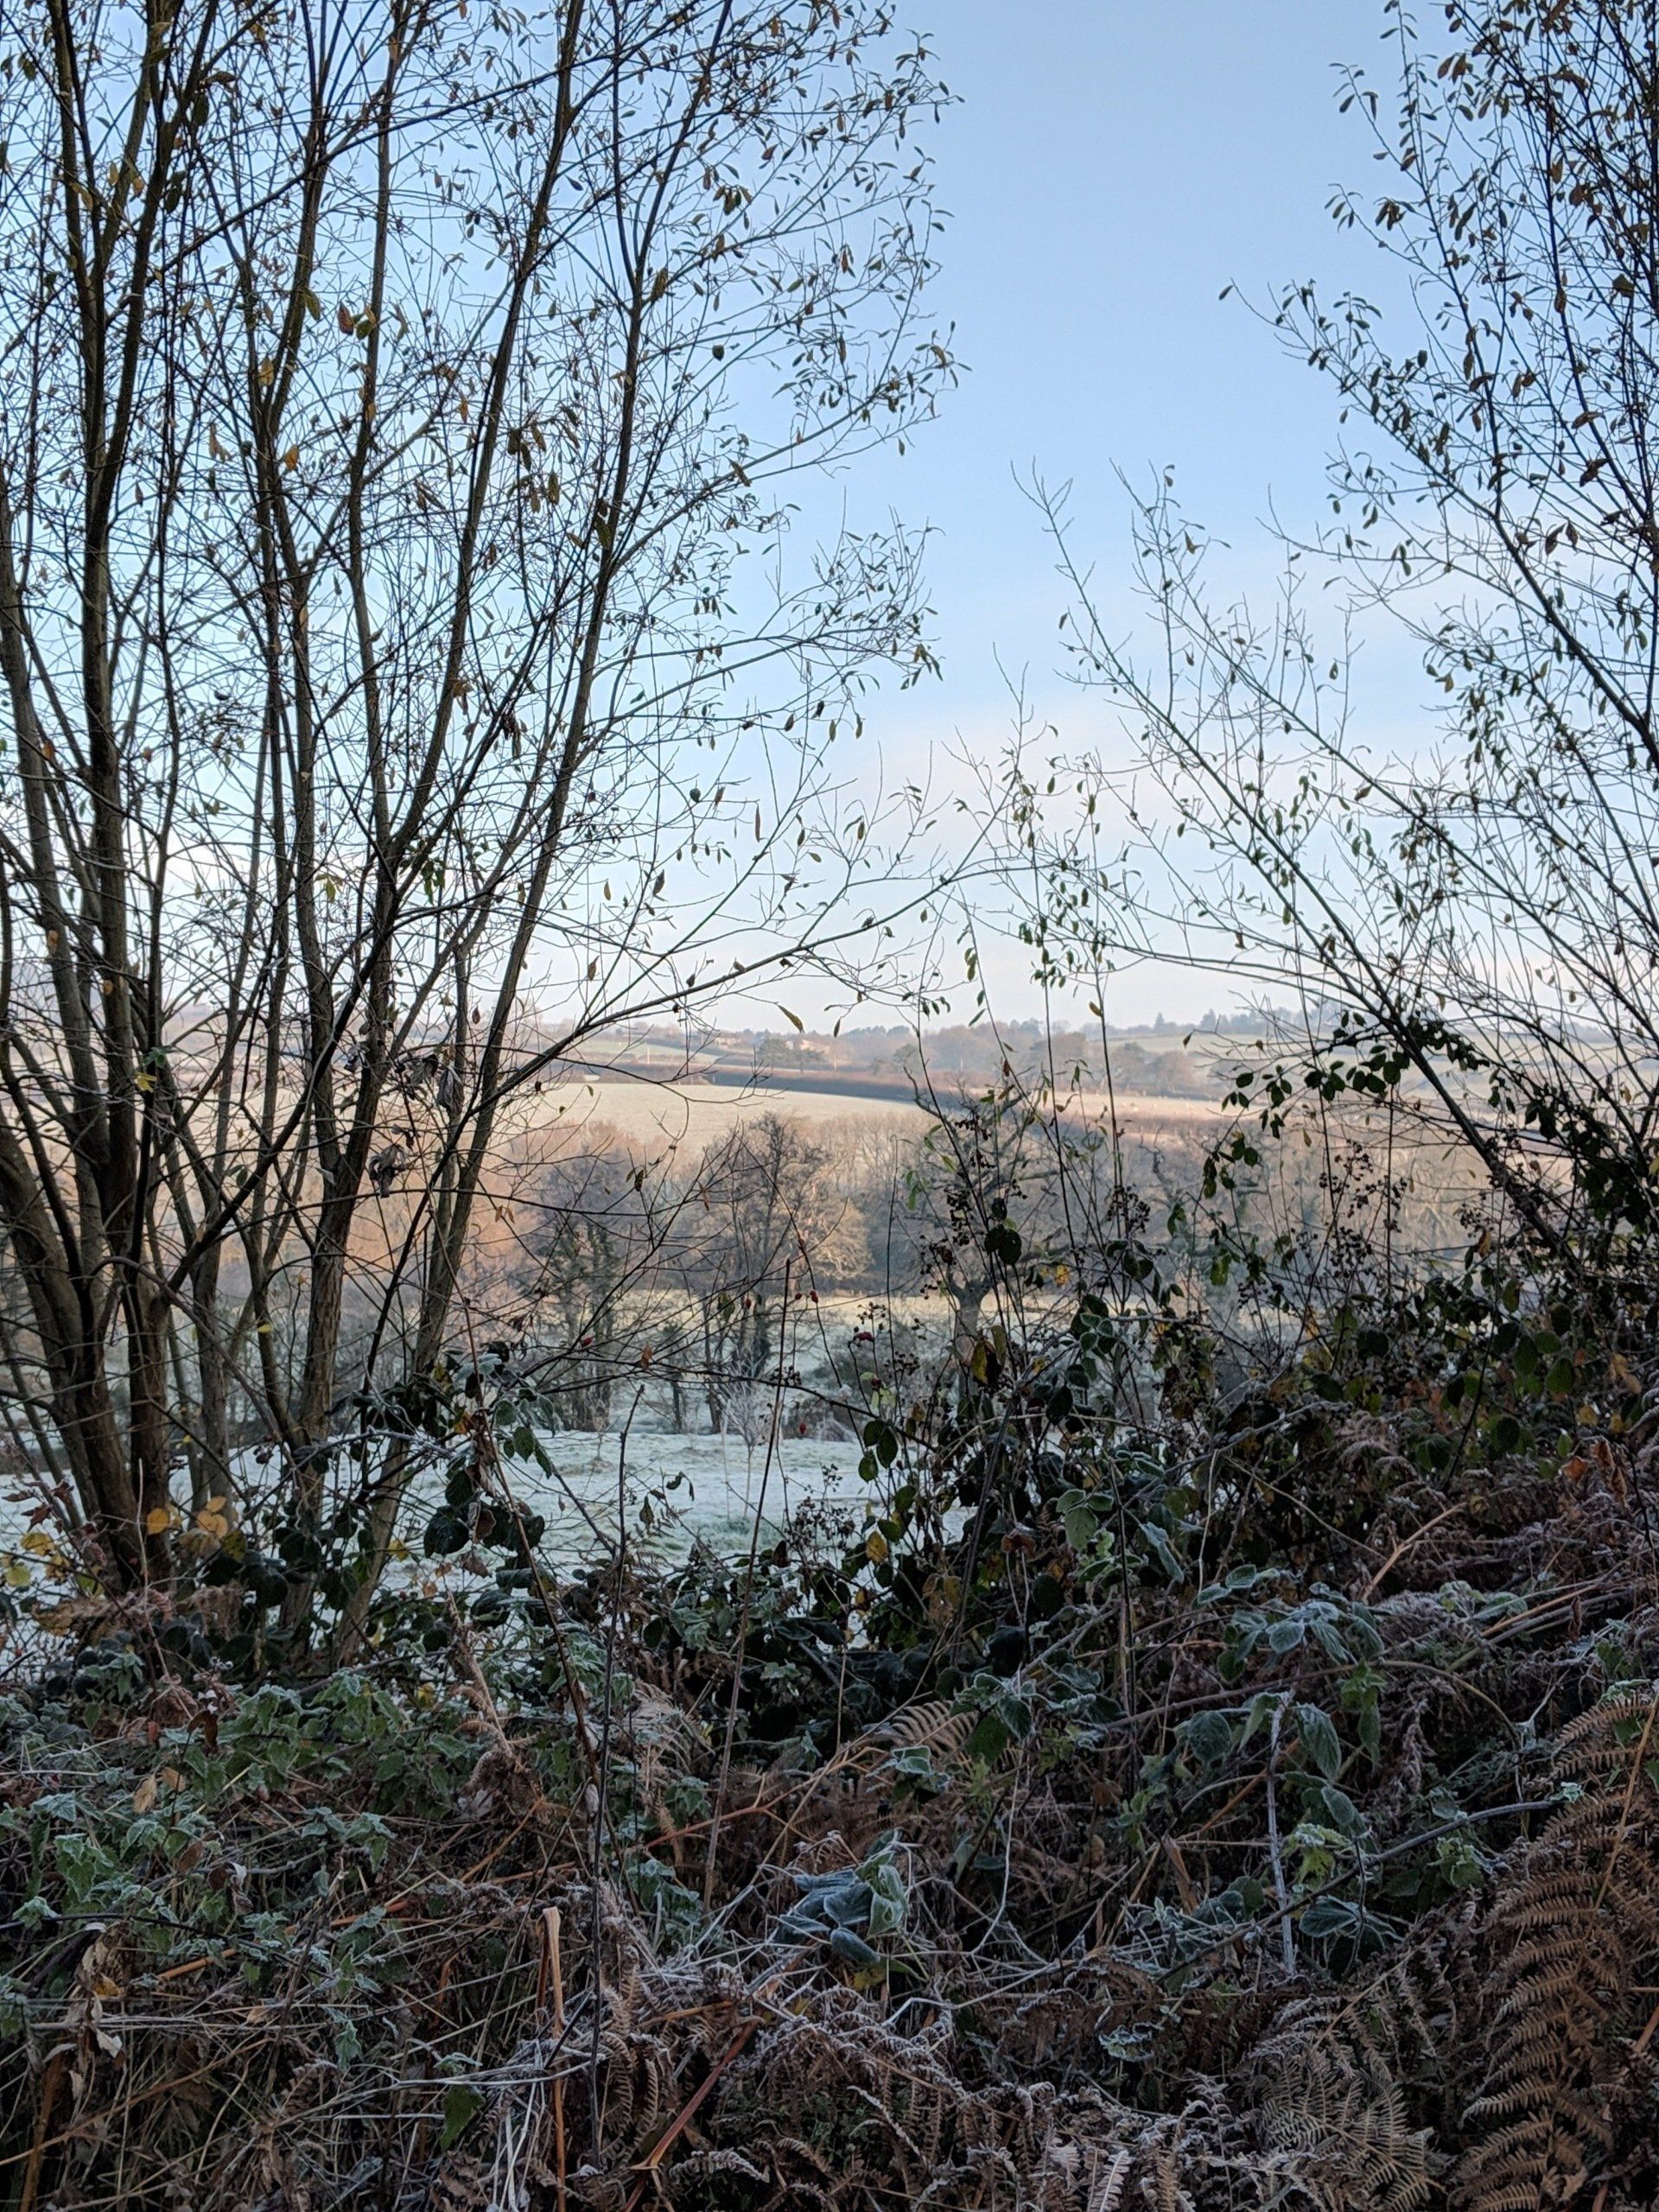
(748, 1599)
(1281, 1889)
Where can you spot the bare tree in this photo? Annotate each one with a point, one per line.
(599, 1245)
(391, 397)
(1477, 910)
(764, 1220)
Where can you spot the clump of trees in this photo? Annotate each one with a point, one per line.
(732, 1283)
(393, 400)
(678, 1276)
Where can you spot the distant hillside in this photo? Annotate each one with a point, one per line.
(892, 1064)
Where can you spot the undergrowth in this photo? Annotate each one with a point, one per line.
(1185, 1785)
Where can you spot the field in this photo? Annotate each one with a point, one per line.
(692, 1115)
(677, 1487)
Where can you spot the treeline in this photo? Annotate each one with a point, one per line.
(713, 1279)
(1160, 1061)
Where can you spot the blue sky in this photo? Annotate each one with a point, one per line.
(1110, 167)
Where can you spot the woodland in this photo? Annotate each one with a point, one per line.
(1204, 1755)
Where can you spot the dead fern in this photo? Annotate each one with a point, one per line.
(1330, 2116)
(934, 1726)
(1572, 1945)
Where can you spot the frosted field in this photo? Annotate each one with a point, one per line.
(680, 1487)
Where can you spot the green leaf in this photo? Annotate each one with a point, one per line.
(1459, 1862)
(889, 1901)
(1504, 1434)
(1077, 1519)
(990, 1738)
(462, 2106)
(1208, 1737)
(1328, 1917)
(446, 1532)
(852, 1949)
(1320, 1740)
(1370, 1732)
(847, 1903)
(1163, 1551)
(1342, 1812)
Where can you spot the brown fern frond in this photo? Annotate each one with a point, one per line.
(1329, 2115)
(934, 1726)
(1571, 1935)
